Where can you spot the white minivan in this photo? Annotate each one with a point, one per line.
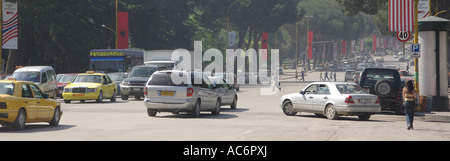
(43, 76)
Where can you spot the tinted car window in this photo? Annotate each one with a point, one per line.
(164, 79)
(373, 76)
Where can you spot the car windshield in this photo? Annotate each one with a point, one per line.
(350, 89)
(6, 88)
(88, 78)
(27, 76)
(66, 78)
(117, 77)
(142, 71)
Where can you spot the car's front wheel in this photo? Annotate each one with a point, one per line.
(288, 109)
(100, 97)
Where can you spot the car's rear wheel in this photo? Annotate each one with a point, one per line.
(124, 97)
(288, 109)
(364, 117)
(331, 113)
(21, 118)
(234, 104)
(216, 110)
(113, 98)
(384, 88)
(196, 111)
(151, 112)
(56, 117)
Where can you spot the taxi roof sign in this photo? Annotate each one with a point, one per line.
(90, 72)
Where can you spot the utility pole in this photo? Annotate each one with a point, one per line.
(416, 40)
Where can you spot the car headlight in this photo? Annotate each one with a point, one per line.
(125, 83)
(67, 89)
(91, 90)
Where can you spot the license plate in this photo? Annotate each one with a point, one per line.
(78, 95)
(167, 93)
(136, 89)
(363, 100)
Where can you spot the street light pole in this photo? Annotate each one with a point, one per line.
(228, 22)
(117, 6)
(109, 28)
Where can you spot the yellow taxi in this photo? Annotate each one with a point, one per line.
(90, 86)
(23, 102)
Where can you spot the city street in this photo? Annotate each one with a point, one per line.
(257, 118)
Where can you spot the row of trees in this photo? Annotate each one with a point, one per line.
(61, 33)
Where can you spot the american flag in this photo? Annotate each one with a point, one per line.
(401, 15)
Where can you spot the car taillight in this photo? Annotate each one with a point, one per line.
(189, 92)
(349, 99)
(378, 100)
(145, 90)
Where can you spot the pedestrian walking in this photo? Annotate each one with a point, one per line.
(303, 75)
(326, 76)
(321, 78)
(334, 76)
(409, 97)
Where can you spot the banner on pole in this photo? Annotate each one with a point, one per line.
(9, 25)
(310, 39)
(122, 26)
(264, 39)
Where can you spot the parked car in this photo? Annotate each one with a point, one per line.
(23, 102)
(135, 83)
(163, 95)
(332, 99)
(90, 86)
(118, 77)
(43, 76)
(63, 81)
(349, 75)
(385, 83)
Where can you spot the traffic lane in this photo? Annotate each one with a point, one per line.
(256, 118)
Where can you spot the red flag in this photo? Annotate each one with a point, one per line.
(264, 39)
(122, 28)
(344, 47)
(310, 39)
(374, 42)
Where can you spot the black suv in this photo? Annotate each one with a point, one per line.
(385, 83)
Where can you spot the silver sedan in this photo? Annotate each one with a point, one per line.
(332, 99)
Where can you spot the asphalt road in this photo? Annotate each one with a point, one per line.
(257, 117)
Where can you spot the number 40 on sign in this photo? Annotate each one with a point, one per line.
(403, 36)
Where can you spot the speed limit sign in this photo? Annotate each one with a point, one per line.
(403, 36)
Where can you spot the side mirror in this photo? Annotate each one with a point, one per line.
(69, 82)
(45, 96)
(302, 92)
